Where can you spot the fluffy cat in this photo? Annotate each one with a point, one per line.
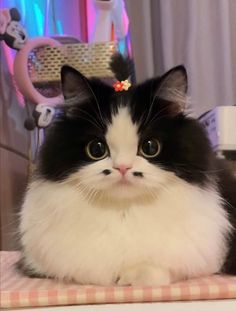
(127, 189)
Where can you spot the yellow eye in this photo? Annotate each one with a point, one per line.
(97, 150)
(150, 148)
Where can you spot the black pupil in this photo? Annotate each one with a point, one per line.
(97, 149)
(150, 147)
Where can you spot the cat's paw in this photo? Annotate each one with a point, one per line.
(144, 275)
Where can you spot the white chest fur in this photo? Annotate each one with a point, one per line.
(184, 231)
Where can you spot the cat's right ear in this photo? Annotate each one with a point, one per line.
(173, 88)
(74, 84)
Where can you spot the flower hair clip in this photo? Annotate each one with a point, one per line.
(122, 85)
(121, 66)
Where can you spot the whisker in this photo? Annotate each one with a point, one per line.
(90, 121)
(97, 104)
(158, 116)
(90, 117)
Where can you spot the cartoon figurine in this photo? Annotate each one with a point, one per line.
(41, 117)
(11, 31)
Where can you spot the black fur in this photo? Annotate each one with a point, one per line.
(121, 66)
(185, 148)
(106, 172)
(23, 268)
(138, 174)
(227, 187)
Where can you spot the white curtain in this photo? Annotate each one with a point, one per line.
(201, 34)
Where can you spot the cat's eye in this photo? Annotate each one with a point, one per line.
(150, 148)
(97, 150)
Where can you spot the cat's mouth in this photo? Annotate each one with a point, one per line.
(124, 182)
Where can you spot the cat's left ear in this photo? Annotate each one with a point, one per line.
(74, 84)
(173, 88)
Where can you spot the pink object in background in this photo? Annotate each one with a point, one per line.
(21, 74)
(5, 18)
(9, 57)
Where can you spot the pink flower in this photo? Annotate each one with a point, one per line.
(118, 86)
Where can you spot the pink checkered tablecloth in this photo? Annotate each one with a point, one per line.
(19, 291)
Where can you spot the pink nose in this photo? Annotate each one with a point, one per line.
(122, 168)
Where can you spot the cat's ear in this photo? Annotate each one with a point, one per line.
(172, 87)
(74, 84)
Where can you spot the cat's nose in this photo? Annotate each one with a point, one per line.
(122, 168)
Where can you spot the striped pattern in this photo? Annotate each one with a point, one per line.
(19, 291)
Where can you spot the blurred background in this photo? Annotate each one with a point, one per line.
(157, 34)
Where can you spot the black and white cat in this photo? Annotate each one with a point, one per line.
(127, 189)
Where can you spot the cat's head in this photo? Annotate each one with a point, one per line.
(128, 144)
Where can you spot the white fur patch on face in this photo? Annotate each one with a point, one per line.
(122, 138)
